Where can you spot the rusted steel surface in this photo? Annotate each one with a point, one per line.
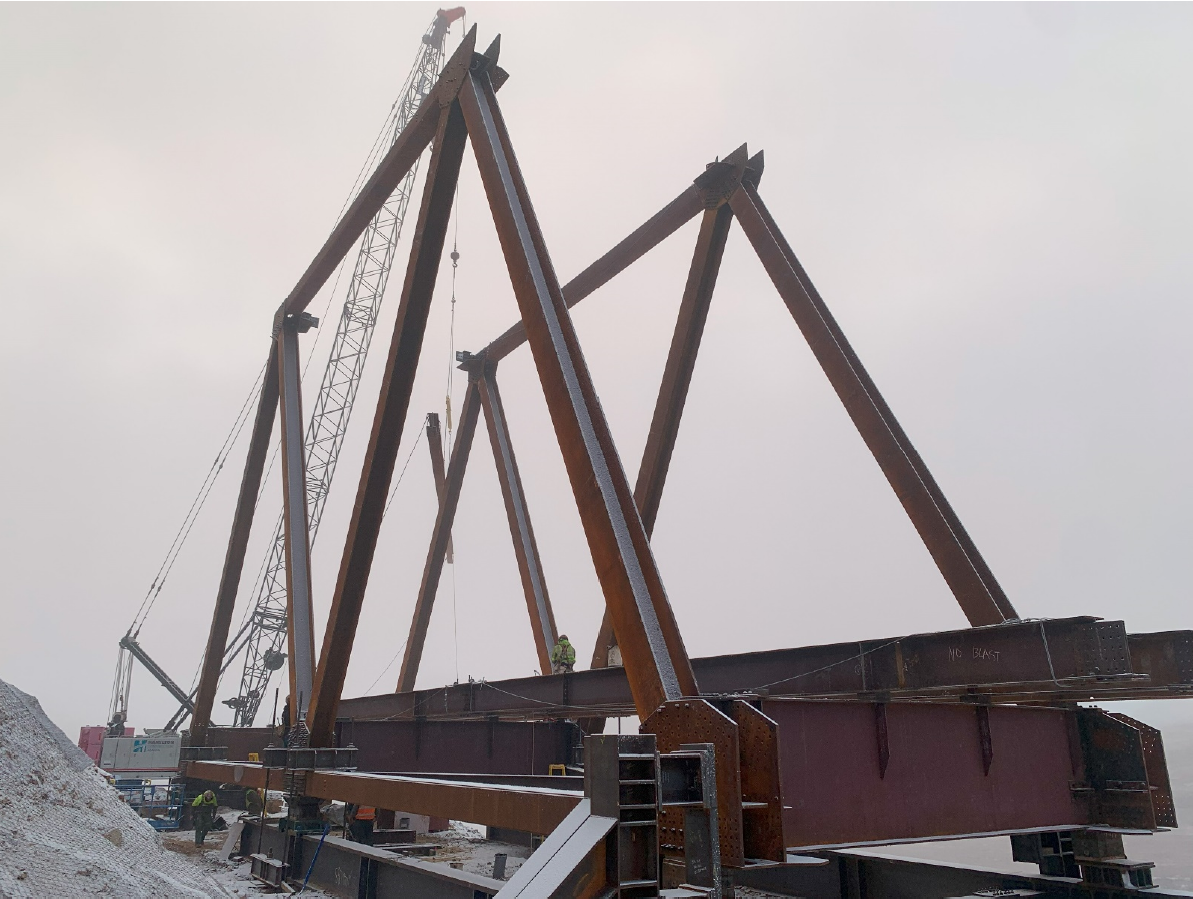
(1067, 659)
(435, 448)
(852, 875)
(761, 782)
(437, 552)
(649, 235)
(238, 541)
(1116, 783)
(958, 560)
(935, 783)
(681, 362)
(532, 809)
(241, 741)
(377, 472)
(1156, 769)
(696, 721)
(300, 634)
(652, 648)
(464, 747)
(530, 566)
(673, 393)
(1166, 657)
(393, 167)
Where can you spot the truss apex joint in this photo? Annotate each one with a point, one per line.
(301, 322)
(451, 79)
(493, 52)
(754, 166)
(486, 64)
(474, 364)
(722, 177)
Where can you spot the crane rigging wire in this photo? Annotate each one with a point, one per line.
(378, 148)
(451, 371)
(217, 465)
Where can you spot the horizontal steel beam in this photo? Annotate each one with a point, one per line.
(857, 772)
(346, 868)
(438, 747)
(532, 809)
(649, 235)
(849, 875)
(1069, 659)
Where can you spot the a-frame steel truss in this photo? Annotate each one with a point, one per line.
(617, 520)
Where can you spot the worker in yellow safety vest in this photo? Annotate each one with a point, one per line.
(563, 656)
(204, 806)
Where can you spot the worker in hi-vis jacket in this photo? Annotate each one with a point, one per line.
(204, 806)
(563, 656)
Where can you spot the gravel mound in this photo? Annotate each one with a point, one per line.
(65, 832)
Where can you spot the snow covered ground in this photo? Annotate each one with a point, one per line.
(65, 832)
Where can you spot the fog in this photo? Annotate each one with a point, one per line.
(994, 201)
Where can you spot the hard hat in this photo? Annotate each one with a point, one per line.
(209, 795)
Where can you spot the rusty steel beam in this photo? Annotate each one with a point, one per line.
(436, 553)
(652, 648)
(483, 748)
(435, 447)
(1059, 660)
(950, 770)
(533, 809)
(377, 472)
(641, 241)
(967, 575)
(530, 567)
(1166, 657)
(300, 633)
(946, 510)
(681, 362)
(673, 392)
(238, 540)
(947, 775)
(415, 138)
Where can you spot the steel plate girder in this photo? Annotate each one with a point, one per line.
(435, 448)
(652, 647)
(238, 541)
(530, 566)
(959, 561)
(300, 634)
(673, 391)
(440, 536)
(381, 455)
(645, 238)
(402, 155)
(1048, 769)
(533, 809)
(1067, 659)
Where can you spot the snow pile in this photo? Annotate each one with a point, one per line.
(64, 831)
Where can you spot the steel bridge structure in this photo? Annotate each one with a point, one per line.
(763, 770)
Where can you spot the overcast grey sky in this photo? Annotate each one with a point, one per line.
(994, 200)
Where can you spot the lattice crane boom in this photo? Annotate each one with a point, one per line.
(263, 635)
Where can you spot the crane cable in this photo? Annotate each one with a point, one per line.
(451, 371)
(188, 522)
(184, 529)
(159, 579)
